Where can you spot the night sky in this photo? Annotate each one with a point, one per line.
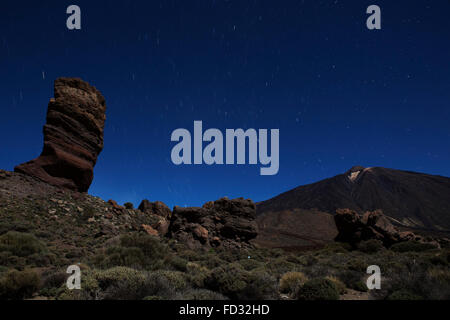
(340, 94)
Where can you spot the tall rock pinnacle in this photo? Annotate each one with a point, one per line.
(73, 136)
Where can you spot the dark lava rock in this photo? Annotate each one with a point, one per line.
(226, 223)
(354, 228)
(159, 208)
(73, 136)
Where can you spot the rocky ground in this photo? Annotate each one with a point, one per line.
(188, 253)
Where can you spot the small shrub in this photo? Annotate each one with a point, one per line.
(357, 264)
(159, 286)
(229, 280)
(201, 294)
(149, 245)
(120, 256)
(249, 264)
(54, 279)
(135, 250)
(340, 286)
(291, 280)
(318, 289)
(128, 205)
(412, 246)
(178, 263)
(176, 279)
(19, 284)
(403, 295)
(197, 274)
(359, 286)
(20, 244)
(370, 246)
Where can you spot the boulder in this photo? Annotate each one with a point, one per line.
(115, 205)
(149, 230)
(354, 228)
(73, 136)
(226, 223)
(162, 226)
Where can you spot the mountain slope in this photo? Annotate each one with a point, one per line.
(410, 199)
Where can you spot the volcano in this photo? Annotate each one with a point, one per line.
(304, 216)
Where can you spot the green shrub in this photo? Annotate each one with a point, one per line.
(412, 246)
(176, 279)
(260, 286)
(359, 286)
(357, 264)
(19, 284)
(54, 279)
(317, 289)
(403, 295)
(197, 274)
(135, 250)
(120, 256)
(229, 280)
(236, 283)
(178, 263)
(201, 294)
(280, 266)
(20, 244)
(290, 281)
(370, 246)
(128, 205)
(249, 264)
(340, 286)
(149, 245)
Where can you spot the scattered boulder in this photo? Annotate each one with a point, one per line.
(354, 228)
(73, 136)
(159, 208)
(227, 223)
(162, 226)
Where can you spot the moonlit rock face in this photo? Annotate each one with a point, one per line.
(354, 175)
(73, 136)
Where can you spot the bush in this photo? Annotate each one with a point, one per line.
(54, 279)
(20, 244)
(178, 263)
(236, 283)
(412, 246)
(19, 284)
(128, 205)
(197, 274)
(249, 264)
(135, 250)
(370, 246)
(318, 289)
(291, 280)
(176, 279)
(340, 286)
(403, 295)
(120, 256)
(149, 245)
(261, 286)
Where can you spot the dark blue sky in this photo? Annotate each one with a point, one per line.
(340, 94)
